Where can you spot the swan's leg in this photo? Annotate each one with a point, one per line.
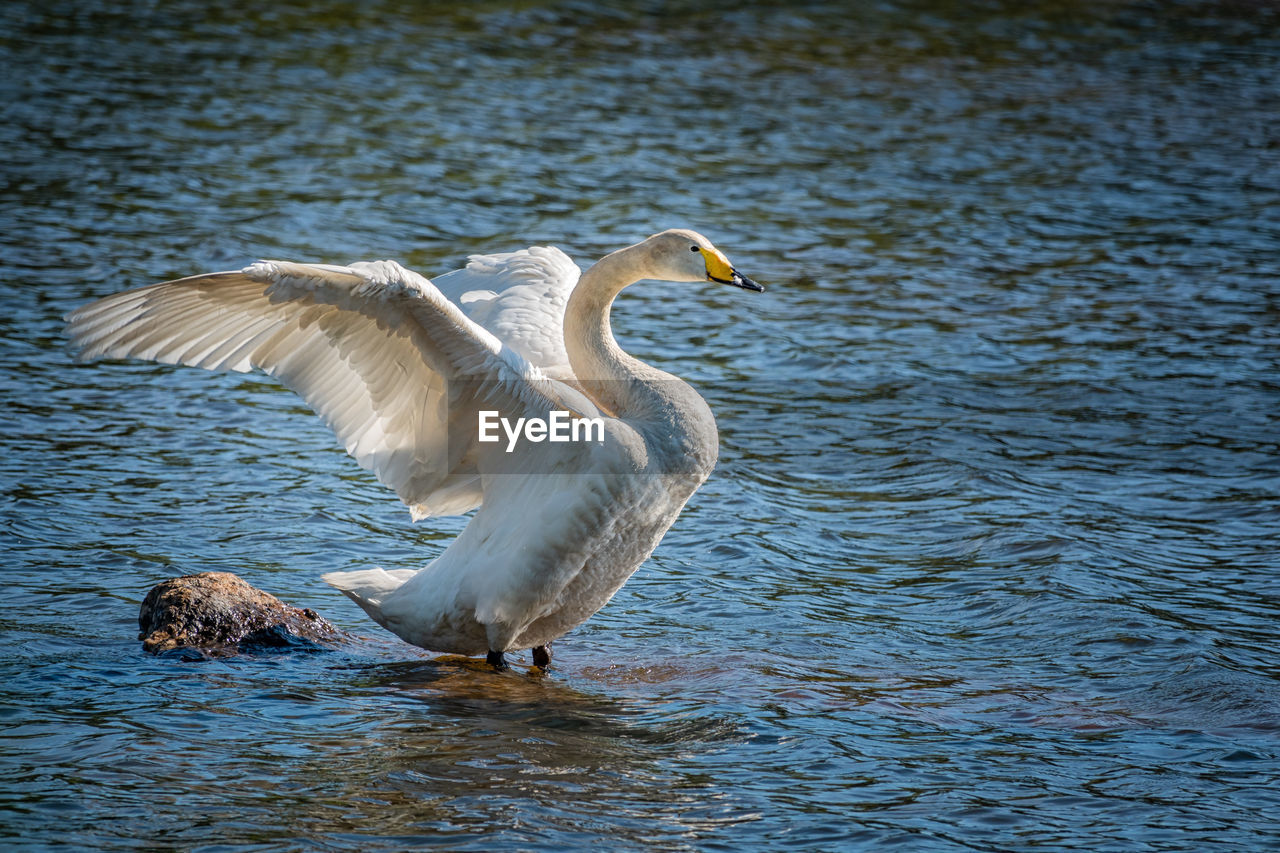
(497, 661)
(542, 656)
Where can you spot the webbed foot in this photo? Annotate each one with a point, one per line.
(497, 661)
(542, 656)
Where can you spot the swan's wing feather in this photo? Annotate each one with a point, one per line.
(520, 298)
(392, 366)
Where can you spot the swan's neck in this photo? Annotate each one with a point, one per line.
(681, 430)
(612, 378)
(625, 386)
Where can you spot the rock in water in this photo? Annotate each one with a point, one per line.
(218, 613)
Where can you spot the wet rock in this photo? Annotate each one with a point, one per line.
(216, 613)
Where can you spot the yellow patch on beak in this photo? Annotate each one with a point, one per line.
(718, 266)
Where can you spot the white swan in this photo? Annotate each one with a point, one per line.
(403, 369)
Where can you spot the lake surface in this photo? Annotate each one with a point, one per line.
(992, 556)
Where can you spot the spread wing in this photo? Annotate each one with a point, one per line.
(394, 367)
(520, 298)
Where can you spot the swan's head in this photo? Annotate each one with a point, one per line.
(684, 255)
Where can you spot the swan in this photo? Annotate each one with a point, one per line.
(415, 377)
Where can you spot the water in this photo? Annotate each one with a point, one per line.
(990, 560)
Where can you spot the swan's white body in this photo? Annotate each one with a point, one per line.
(400, 368)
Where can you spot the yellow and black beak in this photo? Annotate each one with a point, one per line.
(719, 269)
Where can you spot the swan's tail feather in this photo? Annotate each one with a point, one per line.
(370, 587)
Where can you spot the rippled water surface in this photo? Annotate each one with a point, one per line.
(990, 559)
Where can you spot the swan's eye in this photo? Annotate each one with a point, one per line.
(693, 248)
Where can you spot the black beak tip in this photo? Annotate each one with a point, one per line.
(745, 283)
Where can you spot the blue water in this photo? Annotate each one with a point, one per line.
(991, 557)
